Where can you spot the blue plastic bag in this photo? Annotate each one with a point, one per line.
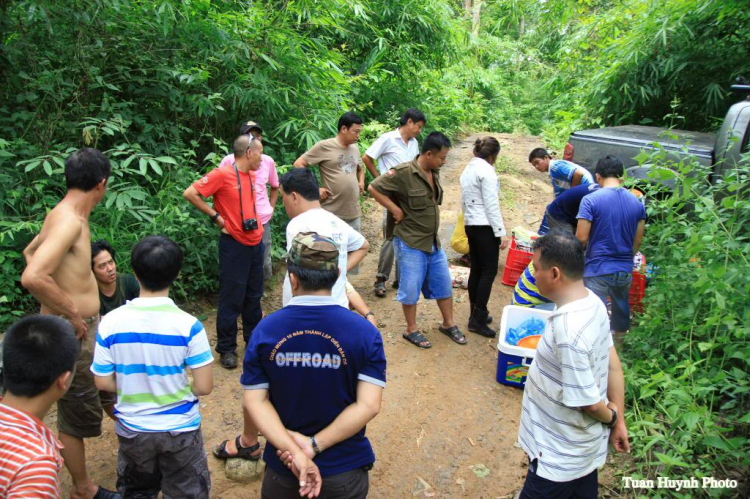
(529, 327)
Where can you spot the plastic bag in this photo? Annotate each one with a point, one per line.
(459, 276)
(529, 327)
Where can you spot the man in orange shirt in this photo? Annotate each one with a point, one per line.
(39, 357)
(240, 244)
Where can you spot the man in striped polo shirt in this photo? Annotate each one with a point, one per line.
(575, 391)
(142, 350)
(39, 357)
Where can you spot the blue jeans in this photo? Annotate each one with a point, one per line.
(615, 286)
(421, 271)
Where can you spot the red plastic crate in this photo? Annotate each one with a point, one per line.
(637, 292)
(515, 264)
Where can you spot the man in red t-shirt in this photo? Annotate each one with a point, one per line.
(240, 245)
(39, 357)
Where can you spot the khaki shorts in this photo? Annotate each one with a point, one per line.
(79, 411)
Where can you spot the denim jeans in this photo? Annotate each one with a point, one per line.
(615, 286)
(421, 271)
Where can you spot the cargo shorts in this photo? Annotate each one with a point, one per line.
(174, 464)
(79, 411)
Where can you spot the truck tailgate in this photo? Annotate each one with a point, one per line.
(627, 141)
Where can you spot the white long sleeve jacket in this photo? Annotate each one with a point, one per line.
(479, 191)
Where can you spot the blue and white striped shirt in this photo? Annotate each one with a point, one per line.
(148, 343)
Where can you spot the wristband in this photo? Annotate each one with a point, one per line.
(368, 314)
(611, 424)
(215, 216)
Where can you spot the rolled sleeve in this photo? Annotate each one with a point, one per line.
(389, 183)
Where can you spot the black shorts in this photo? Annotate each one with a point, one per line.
(536, 487)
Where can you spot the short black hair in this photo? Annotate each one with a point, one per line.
(156, 262)
(313, 280)
(302, 181)
(85, 168)
(538, 153)
(435, 142)
(99, 246)
(415, 115)
(561, 249)
(36, 351)
(610, 167)
(348, 119)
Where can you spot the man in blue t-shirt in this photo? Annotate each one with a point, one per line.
(611, 221)
(563, 211)
(313, 375)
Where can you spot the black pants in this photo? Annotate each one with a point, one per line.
(484, 249)
(586, 487)
(352, 484)
(240, 291)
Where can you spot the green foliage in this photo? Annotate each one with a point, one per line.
(688, 358)
(626, 62)
(161, 86)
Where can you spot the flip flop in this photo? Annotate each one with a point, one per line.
(453, 333)
(417, 338)
(380, 290)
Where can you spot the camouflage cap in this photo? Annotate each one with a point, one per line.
(310, 250)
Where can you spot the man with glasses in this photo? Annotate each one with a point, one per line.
(240, 243)
(265, 198)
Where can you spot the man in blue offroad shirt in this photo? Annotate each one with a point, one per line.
(313, 375)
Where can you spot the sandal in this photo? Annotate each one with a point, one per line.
(417, 338)
(380, 290)
(453, 333)
(220, 451)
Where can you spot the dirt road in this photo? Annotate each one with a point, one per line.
(443, 412)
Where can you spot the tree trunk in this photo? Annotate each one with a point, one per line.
(476, 17)
(467, 7)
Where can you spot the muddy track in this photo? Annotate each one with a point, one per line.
(443, 412)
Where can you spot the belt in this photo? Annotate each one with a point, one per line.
(87, 320)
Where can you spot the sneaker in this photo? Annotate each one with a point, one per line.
(228, 360)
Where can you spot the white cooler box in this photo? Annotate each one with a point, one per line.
(513, 361)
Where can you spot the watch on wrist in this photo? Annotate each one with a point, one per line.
(368, 314)
(215, 216)
(611, 424)
(314, 444)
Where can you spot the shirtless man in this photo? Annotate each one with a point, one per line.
(58, 274)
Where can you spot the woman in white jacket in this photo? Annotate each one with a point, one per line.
(484, 228)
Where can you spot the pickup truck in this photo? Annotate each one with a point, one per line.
(719, 151)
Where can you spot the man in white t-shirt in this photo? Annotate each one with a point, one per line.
(300, 193)
(573, 402)
(391, 149)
